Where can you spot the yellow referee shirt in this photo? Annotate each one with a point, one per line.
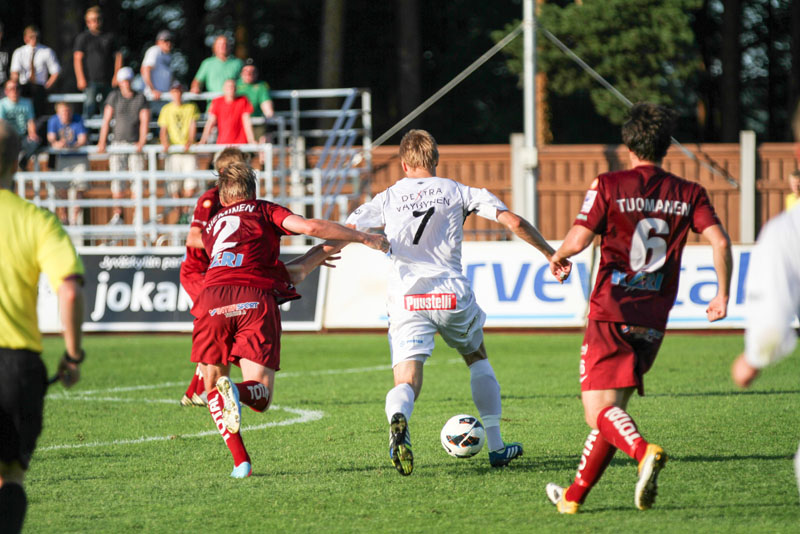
(32, 242)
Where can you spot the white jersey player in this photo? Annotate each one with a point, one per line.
(423, 217)
(773, 301)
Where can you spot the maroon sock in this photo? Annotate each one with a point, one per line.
(618, 428)
(233, 441)
(597, 454)
(192, 387)
(254, 394)
(200, 386)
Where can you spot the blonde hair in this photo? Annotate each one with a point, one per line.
(237, 182)
(227, 156)
(94, 10)
(418, 149)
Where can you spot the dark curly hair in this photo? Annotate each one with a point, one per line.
(648, 131)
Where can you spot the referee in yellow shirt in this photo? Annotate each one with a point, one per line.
(33, 242)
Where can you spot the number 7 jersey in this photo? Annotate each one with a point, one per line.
(423, 218)
(643, 216)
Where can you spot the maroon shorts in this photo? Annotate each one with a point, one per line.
(235, 322)
(617, 356)
(192, 283)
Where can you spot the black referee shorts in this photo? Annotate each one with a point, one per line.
(23, 383)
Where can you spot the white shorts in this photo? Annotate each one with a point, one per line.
(183, 163)
(124, 162)
(448, 307)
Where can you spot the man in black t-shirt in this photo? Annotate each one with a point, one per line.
(96, 58)
(5, 58)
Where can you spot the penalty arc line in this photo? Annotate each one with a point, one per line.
(306, 416)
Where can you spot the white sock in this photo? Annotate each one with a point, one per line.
(400, 399)
(797, 467)
(486, 396)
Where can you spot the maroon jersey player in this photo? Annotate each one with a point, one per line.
(195, 261)
(237, 314)
(643, 216)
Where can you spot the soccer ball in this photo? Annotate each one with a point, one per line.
(463, 436)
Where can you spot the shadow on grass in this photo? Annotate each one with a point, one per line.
(728, 458)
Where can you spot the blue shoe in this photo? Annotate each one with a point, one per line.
(400, 445)
(503, 456)
(231, 409)
(243, 470)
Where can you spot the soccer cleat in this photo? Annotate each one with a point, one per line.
(400, 445)
(231, 409)
(243, 470)
(503, 456)
(556, 495)
(199, 400)
(195, 400)
(647, 486)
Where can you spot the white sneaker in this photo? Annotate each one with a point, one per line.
(231, 408)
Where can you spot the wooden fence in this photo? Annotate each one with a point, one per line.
(566, 171)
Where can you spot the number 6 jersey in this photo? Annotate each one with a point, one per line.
(644, 216)
(423, 218)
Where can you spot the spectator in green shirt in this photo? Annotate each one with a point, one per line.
(258, 95)
(216, 69)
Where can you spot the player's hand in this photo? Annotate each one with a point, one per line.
(297, 273)
(561, 269)
(742, 372)
(377, 241)
(329, 261)
(68, 373)
(717, 308)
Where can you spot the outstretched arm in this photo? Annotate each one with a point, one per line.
(333, 232)
(578, 238)
(318, 255)
(528, 233)
(723, 265)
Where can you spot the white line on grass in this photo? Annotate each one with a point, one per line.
(295, 374)
(305, 416)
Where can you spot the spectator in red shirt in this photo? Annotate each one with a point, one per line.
(230, 113)
(644, 216)
(237, 314)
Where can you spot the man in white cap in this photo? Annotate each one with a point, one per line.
(131, 118)
(156, 71)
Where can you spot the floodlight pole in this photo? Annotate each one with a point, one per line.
(530, 153)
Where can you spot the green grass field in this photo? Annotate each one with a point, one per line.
(119, 454)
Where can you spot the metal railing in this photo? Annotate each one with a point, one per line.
(300, 137)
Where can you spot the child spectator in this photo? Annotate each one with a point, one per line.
(65, 131)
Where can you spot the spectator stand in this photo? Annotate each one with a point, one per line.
(318, 163)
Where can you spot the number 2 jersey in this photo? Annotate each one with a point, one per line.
(643, 216)
(423, 219)
(243, 244)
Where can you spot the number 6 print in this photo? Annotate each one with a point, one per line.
(642, 242)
